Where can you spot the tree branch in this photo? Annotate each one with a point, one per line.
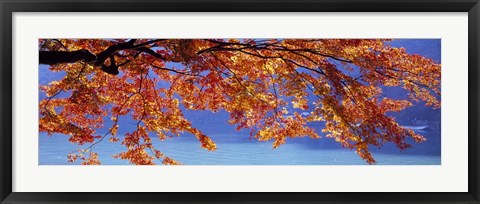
(59, 57)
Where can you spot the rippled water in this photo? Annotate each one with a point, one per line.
(238, 149)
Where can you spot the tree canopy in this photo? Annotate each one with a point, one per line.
(263, 84)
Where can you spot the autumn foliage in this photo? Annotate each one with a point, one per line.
(264, 84)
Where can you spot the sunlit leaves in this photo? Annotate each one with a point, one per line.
(170, 161)
(86, 157)
(264, 84)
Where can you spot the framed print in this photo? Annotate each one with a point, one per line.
(257, 102)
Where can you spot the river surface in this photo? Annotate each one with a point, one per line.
(238, 149)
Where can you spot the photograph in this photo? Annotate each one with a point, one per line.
(239, 101)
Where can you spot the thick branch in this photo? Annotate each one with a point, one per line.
(58, 57)
(101, 57)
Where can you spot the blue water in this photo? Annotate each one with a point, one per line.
(238, 149)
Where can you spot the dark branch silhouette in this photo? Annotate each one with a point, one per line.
(112, 68)
(58, 57)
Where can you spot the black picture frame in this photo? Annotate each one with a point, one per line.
(7, 8)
